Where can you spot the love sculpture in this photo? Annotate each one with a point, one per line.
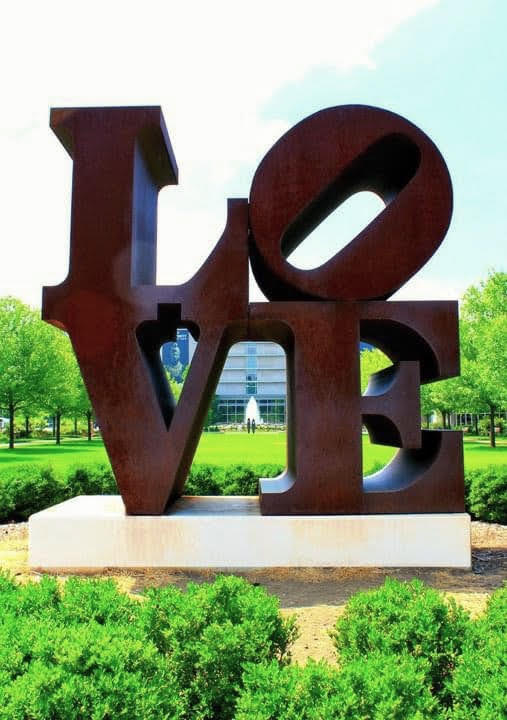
(118, 318)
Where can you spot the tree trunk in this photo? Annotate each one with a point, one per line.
(476, 424)
(11, 426)
(75, 426)
(54, 426)
(492, 426)
(58, 438)
(27, 426)
(428, 417)
(89, 424)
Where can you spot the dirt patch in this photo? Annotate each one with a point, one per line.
(315, 595)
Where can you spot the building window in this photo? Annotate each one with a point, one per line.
(272, 411)
(231, 412)
(251, 384)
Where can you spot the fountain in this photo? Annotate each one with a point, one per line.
(252, 411)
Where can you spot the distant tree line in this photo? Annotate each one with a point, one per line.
(39, 374)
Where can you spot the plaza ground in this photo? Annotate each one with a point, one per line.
(229, 449)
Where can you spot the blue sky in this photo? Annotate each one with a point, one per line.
(231, 78)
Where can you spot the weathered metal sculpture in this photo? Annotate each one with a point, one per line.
(117, 317)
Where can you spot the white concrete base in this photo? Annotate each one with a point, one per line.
(94, 532)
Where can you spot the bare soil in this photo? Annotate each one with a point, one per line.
(315, 596)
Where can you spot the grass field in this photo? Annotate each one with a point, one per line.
(228, 449)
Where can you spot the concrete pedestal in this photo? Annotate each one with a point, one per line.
(229, 532)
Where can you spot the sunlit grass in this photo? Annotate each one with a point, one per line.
(229, 449)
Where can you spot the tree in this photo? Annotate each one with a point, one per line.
(372, 361)
(448, 396)
(81, 404)
(24, 358)
(484, 344)
(427, 403)
(60, 380)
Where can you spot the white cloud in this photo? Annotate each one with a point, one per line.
(212, 67)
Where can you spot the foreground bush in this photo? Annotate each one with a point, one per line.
(379, 687)
(221, 651)
(404, 618)
(487, 493)
(208, 635)
(478, 687)
(89, 651)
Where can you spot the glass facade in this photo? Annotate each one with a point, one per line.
(272, 411)
(252, 369)
(232, 411)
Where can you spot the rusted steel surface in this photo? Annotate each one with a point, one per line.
(117, 317)
(313, 169)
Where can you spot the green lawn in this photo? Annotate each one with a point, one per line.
(228, 449)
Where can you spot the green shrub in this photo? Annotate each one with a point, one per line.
(79, 653)
(484, 425)
(26, 489)
(87, 671)
(85, 650)
(29, 488)
(210, 632)
(95, 479)
(204, 480)
(230, 480)
(487, 498)
(380, 687)
(479, 685)
(244, 479)
(404, 618)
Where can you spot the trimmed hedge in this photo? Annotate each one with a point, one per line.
(404, 653)
(479, 685)
(89, 651)
(487, 493)
(402, 618)
(28, 488)
(222, 650)
(378, 687)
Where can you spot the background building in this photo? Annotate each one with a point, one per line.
(252, 369)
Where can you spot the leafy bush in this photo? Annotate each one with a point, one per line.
(78, 653)
(484, 425)
(479, 685)
(27, 488)
(88, 651)
(244, 479)
(402, 618)
(90, 480)
(204, 480)
(230, 480)
(208, 635)
(380, 687)
(487, 494)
